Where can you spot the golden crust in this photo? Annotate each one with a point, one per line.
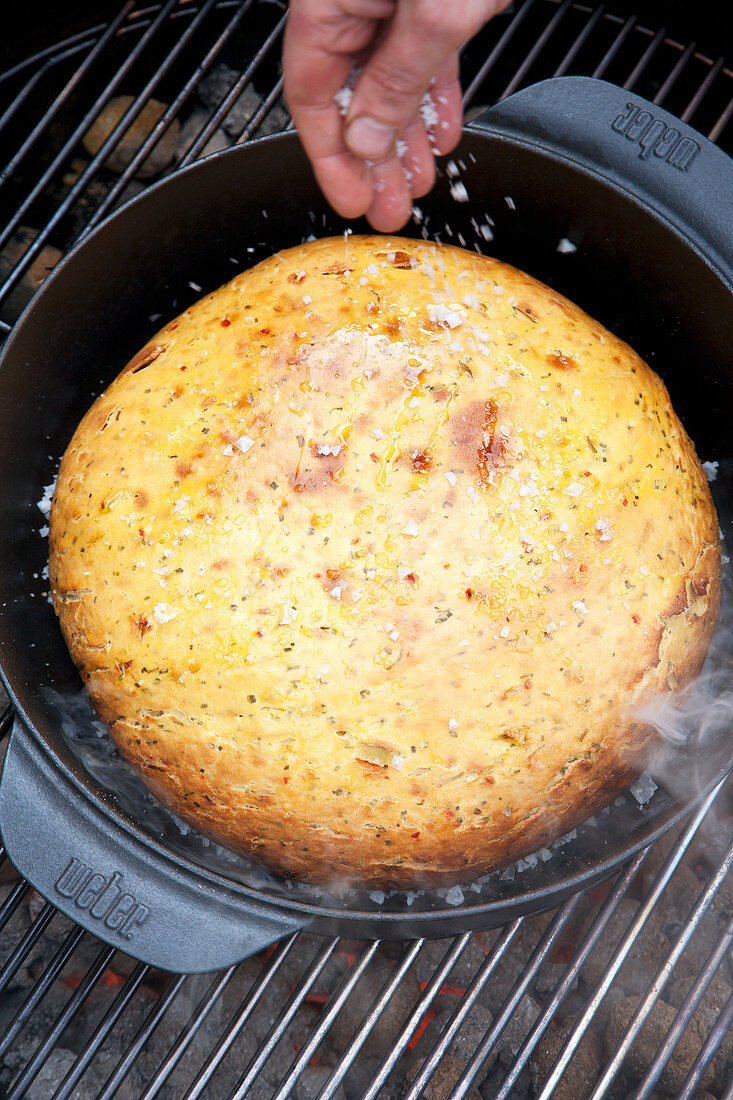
(368, 558)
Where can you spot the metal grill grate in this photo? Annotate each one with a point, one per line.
(623, 992)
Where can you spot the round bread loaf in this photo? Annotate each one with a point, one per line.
(369, 558)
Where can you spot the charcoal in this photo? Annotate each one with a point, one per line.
(441, 1084)
(311, 1082)
(214, 88)
(583, 1068)
(122, 154)
(191, 129)
(30, 281)
(652, 1034)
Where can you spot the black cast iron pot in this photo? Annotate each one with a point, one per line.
(646, 203)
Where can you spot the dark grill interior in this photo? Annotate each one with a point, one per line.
(624, 991)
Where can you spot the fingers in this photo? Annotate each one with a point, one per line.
(420, 38)
(406, 103)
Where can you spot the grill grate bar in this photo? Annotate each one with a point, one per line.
(378, 1007)
(6, 722)
(172, 110)
(701, 907)
(144, 1032)
(27, 943)
(707, 1052)
(12, 902)
(702, 91)
(128, 117)
(65, 94)
(580, 41)
(118, 1006)
(232, 95)
(497, 51)
(645, 58)
(627, 940)
(688, 1007)
(102, 961)
(716, 130)
(267, 104)
(568, 979)
(82, 40)
(674, 74)
(189, 1032)
(430, 992)
(331, 1011)
(538, 48)
(280, 1025)
(44, 983)
(615, 46)
(558, 922)
(246, 1008)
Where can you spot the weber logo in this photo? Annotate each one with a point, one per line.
(655, 138)
(103, 897)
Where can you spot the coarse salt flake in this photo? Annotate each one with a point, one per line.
(244, 443)
(579, 606)
(440, 314)
(458, 191)
(565, 245)
(288, 615)
(454, 896)
(450, 477)
(574, 489)
(307, 299)
(343, 98)
(398, 762)
(603, 528)
(711, 470)
(410, 529)
(452, 724)
(162, 613)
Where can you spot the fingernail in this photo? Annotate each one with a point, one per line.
(368, 138)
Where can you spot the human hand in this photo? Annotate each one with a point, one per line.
(373, 150)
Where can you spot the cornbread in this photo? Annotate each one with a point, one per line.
(369, 557)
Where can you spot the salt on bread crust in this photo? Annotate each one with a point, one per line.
(369, 556)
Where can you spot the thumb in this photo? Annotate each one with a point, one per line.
(419, 38)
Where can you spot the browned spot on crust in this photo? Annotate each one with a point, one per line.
(562, 362)
(144, 358)
(141, 498)
(183, 469)
(528, 310)
(221, 564)
(679, 603)
(422, 461)
(392, 326)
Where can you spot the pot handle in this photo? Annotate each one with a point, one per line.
(108, 880)
(632, 143)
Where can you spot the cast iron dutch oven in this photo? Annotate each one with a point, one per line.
(647, 203)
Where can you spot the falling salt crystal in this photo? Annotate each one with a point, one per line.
(454, 896)
(711, 470)
(643, 788)
(458, 191)
(400, 148)
(510, 202)
(452, 169)
(194, 286)
(564, 245)
(43, 531)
